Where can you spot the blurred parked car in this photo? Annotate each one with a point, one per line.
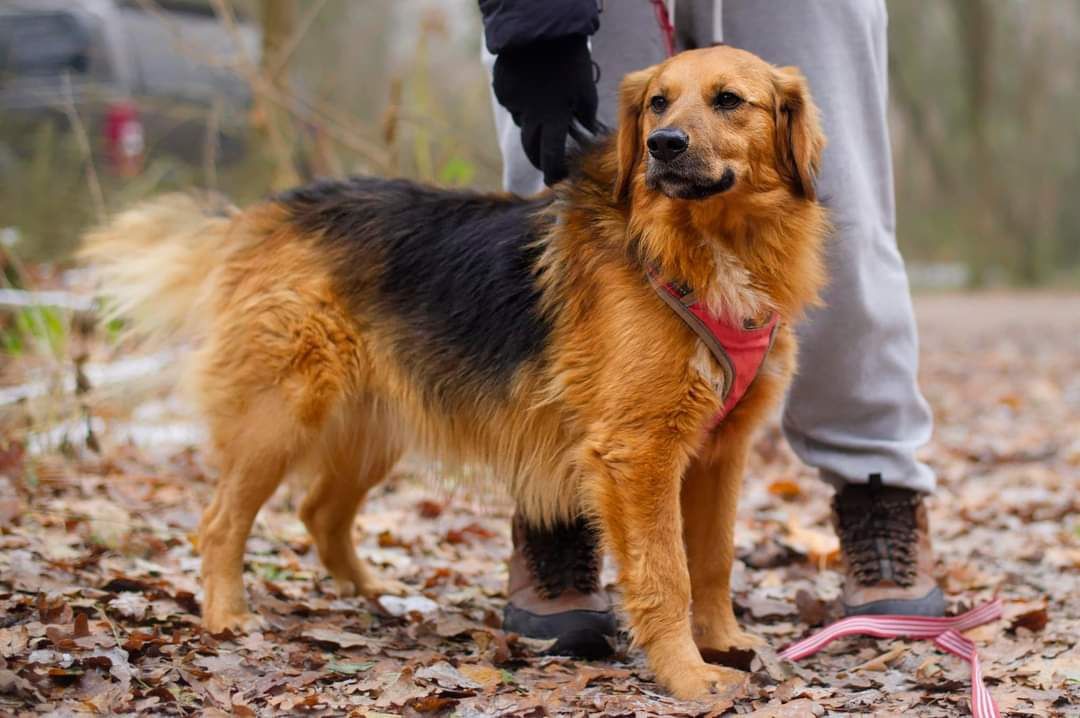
(140, 73)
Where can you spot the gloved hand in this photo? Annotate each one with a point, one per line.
(544, 86)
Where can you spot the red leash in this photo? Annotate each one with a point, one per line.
(663, 19)
(944, 631)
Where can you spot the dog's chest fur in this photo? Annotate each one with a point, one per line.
(732, 294)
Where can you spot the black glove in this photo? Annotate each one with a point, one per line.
(545, 85)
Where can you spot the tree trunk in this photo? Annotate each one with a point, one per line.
(275, 123)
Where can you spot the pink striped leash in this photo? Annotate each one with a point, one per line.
(945, 633)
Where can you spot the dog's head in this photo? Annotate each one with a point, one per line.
(717, 120)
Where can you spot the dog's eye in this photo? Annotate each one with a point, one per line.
(728, 100)
(658, 103)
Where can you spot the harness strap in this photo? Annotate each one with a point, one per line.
(739, 350)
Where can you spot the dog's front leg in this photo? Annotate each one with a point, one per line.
(634, 488)
(710, 496)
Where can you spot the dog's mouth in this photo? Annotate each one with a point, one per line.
(678, 185)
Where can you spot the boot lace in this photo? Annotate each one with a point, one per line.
(877, 528)
(563, 557)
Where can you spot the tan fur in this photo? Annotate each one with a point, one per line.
(613, 423)
(153, 284)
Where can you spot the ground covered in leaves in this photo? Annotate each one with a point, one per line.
(99, 598)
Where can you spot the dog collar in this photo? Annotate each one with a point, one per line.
(740, 349)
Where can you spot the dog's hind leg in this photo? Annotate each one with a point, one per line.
(254, 452)
(350, 459)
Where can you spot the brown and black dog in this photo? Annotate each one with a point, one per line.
(342, 323)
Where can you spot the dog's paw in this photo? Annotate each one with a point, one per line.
(236, 622)
(702, 681)
(725, 637)
(375, 587)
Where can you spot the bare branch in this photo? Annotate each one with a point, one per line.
(84, 147)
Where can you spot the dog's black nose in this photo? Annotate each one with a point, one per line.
(667, 143)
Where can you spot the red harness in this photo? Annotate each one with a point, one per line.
(739, 349)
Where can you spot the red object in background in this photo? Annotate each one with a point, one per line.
(125, 142)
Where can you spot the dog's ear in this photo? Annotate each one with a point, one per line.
(799, 139)
(628, 141)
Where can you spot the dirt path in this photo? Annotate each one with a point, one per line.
(98, 590)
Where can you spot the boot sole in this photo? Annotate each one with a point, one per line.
(580, 633)
(932, 604)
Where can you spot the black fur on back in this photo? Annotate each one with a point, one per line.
(456, 275)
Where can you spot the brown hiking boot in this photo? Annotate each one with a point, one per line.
(555, 590)
(885, 539)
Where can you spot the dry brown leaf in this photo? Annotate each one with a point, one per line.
(786, 489)
(812, 610)
(880, 663)
(1033, 617)
(487, 676)
(820, 547)
(345, 639)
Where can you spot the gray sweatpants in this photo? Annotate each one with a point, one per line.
(855, 408)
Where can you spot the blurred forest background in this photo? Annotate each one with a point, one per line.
(984, 117)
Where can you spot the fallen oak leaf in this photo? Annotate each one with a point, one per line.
(439, 576)
(475, 530)
(81, 628)
(486, 676)
(764, 607)
(789, 689)
(766, 659)
(429, 509)
(446, 676)
(387, 539)
(588, 674)
(453, 625)
(401, 689)
(12, 684)
(429, 704)
(130, 605)
(785, 489)
(349, 668)
(306, 660)
(494, 641)
(1033, 618)
(812, 610)
(801, 708)
(928, 668)
(820, 548)
(69, 641)
(345, 639)
(882, 662)
(398, 606)
(1047, 673)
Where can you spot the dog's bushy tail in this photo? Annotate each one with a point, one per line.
(156, 263)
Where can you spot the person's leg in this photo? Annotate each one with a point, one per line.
(855, 407)
(854, 410)
(554, 587)
(698, 23)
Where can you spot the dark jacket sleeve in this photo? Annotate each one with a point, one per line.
(510, 24)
